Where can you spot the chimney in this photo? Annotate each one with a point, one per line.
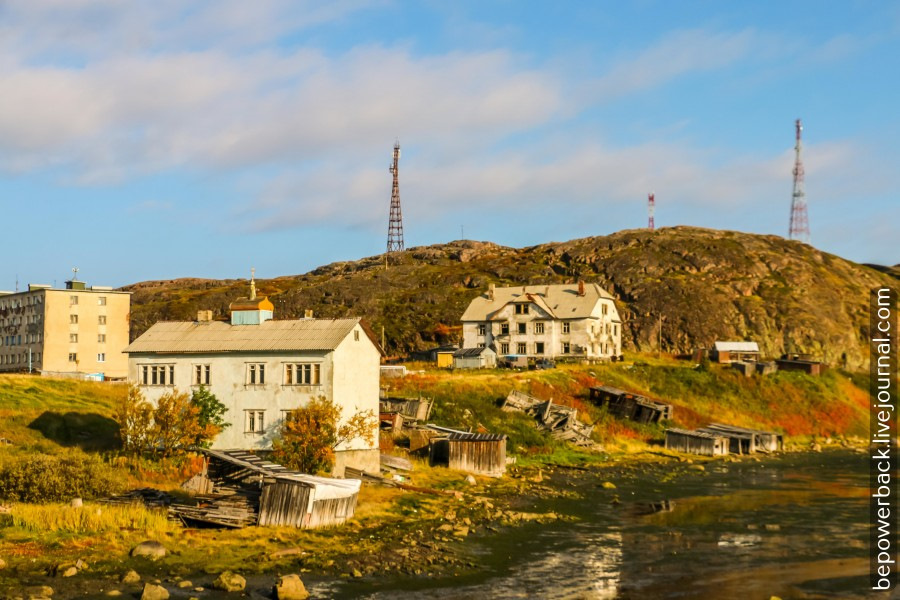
(491, 292)
(308, 313)
(581, 287)
(204, 315)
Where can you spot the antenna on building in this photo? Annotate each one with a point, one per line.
(74, 273)
(17, 283)
(395, 224)
(651, 208)
(799, 228)
(252, 283)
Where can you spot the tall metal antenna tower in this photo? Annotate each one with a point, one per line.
(395, 225)
(799, 229)
(651, 208)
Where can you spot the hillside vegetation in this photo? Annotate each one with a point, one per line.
(706, 285)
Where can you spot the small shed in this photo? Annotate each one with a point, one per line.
(763, 441)
(415, 409)
(249, 490)
(479, 453)
(740, 441)
(810, 367)
(431, 354)
(696, 442)
(475, 358)
(727, 352)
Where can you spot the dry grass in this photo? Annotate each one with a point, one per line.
(89, 519)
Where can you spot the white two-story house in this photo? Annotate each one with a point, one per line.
(261, 368)
(553, 321)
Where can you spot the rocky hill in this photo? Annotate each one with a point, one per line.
(701, 284)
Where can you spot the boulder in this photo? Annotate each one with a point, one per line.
(77, 503)
(229, 582)
(113, 593)
(70, 571)
(184, 584)
(470, 480)
(2, 564)
(154, 592)
(149, 549)
(38, 591)
(290, 587)
(130, 577)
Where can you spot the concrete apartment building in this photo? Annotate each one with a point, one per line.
(78, 330)
(553, 321)
(260, 369)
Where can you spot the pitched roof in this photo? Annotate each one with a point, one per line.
(560, 301)
(252, 304)
(470, 352)
(736, 347)
(175, 337)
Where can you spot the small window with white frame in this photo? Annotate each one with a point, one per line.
(254, 421)
(201, 374)
(101, 301)
(566, 327)
(256, 374)
(539, 327)
(482, 329)
(101, 357)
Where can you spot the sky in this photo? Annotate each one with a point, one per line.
(156, 140)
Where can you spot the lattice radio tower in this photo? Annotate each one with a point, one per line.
(651, 208)
(799, 229)
(395, 224)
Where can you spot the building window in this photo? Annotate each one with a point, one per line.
(73, 319)
(158, 374)
(73, 300)
(523, 328)
(101, 338)
(615, 330)
(504, 328)
(481, 345)
(504, 348)
(565, 327)
(521, 309)
(565, 348)
(73, 357)
(254, 421)
(302, 374)
(520, 348)
(355, 335)
(101, 357)
(482, 329)
(73, 338)
(539, 328)
(101, 320)
(101, 301)
(539, 347)
(201, 374)
(604, 309)
(256, 374)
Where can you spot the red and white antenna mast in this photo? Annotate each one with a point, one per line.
(799, 229)
(651, 208)
(395, 224)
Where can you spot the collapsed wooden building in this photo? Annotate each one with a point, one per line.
(561, 421)
(479, 453)
(696, 442)
(243, 489)
(627, 405)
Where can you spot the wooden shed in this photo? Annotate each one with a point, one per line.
(727, 352)
(630, 406)
(248, 490)
(474, 358)
(739, 441)
(696, 442)
(811, 367)
(479, 453)
(763, 441)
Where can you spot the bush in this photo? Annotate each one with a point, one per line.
(44, 478)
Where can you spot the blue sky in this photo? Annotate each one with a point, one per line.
(170, 139)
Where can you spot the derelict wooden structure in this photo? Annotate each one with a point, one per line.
(760, 440)
(696, 442)
(270, 494)
(561, 421)
(621, 403)
(479, 453)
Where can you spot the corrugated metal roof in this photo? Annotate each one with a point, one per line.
(736, 347)
(217, 336)
(560, 301)
(466, 436)
(470, 352)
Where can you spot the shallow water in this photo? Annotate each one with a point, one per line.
(793, 526)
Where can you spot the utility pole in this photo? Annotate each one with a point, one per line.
(799, 228)
(659, 347)
(651, 209)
